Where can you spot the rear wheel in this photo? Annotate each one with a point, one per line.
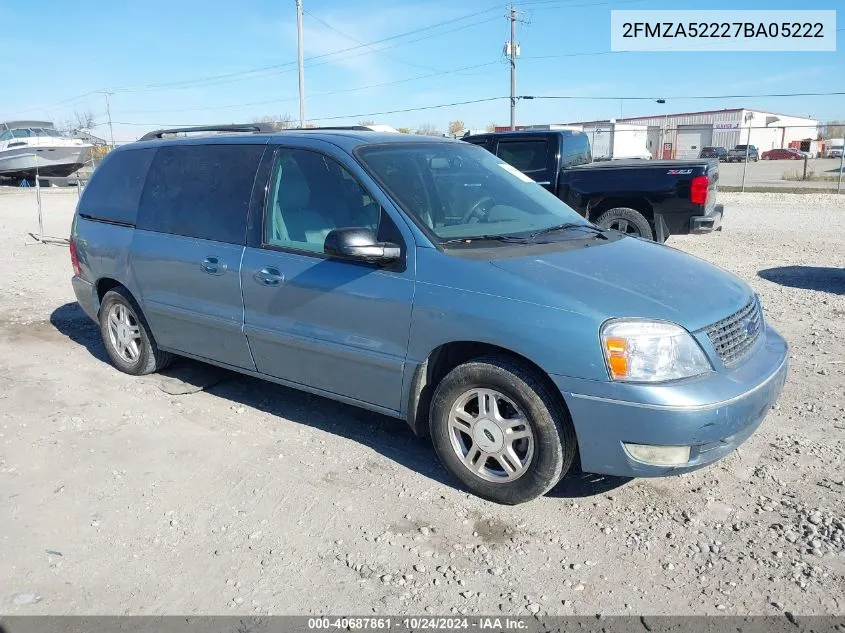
(127, 337)
(626, 220)
(498, 429)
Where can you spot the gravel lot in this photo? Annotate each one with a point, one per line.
(770, 173)
(201, 491)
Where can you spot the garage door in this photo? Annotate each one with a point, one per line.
(691, 138)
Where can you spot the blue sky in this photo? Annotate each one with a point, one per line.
(183, 62)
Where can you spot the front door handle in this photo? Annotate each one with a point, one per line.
(269, 276)
(213, 266)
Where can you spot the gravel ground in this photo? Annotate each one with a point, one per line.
(770, 173)
(200, 491)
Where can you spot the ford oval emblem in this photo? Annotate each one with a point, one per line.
(750, 327)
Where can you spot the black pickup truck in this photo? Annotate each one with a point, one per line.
(649, 198)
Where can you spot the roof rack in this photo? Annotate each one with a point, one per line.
(333, 127)
(246, 127)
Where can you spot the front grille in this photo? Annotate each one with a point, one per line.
(734, 336)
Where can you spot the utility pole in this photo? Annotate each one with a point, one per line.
(300, 64)
(512, 58)
(749, 116)
(107, 94)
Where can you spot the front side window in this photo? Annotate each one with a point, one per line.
(459, 190)
(311, 194)
(200, 191)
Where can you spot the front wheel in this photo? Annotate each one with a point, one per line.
(499, 430)
(626, 220)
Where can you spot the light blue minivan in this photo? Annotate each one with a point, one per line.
(425, 279)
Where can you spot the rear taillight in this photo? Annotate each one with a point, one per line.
(698, 189)
(74, 258)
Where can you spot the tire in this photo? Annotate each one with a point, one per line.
(545, 457)
(119, 305)
(626, 220)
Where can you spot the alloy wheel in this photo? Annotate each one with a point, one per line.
(491, 435)
(124, 333)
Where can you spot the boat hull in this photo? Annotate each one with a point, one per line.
(43, 161)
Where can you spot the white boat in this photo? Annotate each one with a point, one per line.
(30, 148)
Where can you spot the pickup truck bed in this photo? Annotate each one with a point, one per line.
(650, 198)
(659, 189)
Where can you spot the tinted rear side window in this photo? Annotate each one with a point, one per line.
(576, 149)
(115, 188)
(526, 156)
(200, 191)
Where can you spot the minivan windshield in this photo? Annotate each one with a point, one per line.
(462, 191)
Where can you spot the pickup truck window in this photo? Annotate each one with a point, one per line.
(463, 191)
(526, 156)
(576, 150)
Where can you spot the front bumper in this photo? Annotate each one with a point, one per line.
(709, 222)
(713, 415)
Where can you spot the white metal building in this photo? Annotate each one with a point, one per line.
(683, 135)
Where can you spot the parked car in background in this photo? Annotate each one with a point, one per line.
(742, 152)
(714, 152)
(834, 147)
(652, 199)
(429, 280)
(783, 154)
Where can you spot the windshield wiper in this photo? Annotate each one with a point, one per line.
(567, 226)
(515, 239)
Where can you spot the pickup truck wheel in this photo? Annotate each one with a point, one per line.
(626, 220)
(127, 337)
(497, 428)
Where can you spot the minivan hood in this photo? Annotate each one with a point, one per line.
(631, 277)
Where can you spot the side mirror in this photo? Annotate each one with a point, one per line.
(360, 245)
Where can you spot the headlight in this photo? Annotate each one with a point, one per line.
(651, 351)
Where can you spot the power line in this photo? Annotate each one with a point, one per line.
(688, 97)
(188, 83)
(527, 97)
(53, 105)
(357, 41)
(274, 69)
(285, 68)
(558, 4)
(319, 94)
(256, 73)
(345, 116)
